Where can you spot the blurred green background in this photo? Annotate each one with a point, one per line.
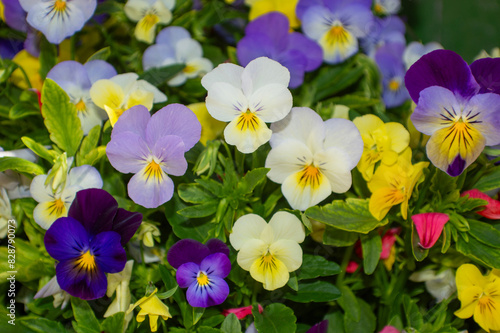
(464, 26)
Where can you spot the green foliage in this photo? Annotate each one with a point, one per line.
(318, 291)
(86, 321)
(276, 318)
(372, 248)
(20, 165)
(314, 266)
(157, 76)
(231, 324)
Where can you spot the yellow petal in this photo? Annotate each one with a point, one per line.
(31, 67)
(145, 28)
(107, 93)
(467, 276)
(367, 123)
(247, 132)
(400, 137)
(270, 271)
(289, 252)
(487, 313)
(140, 97)
(469, 299)
(211, 128)
(382, 200)
(251, 251)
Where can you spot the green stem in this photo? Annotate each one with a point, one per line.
(343, 265)
(239, 160)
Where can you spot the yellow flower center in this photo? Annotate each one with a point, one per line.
(86, 262)
(80, 106)
(56, 207)
(60, 5)
(394, 85)
(189, 69)
(247, 121)
(337, 35)
(485, 303)
(378, 8)
(202, 279)
(310, 176)
(268, 262)
(153, 170)
(149, 21)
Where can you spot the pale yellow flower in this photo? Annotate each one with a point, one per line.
(153, 307)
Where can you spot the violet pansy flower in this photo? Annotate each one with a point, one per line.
(269, 36)
(89, 243)
(76, 80)
(201, 269)
(390, 62)
(387, 30)
(415, 50)
(153, 147)
(15, 17)
(457, 106)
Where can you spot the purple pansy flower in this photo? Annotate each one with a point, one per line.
(10, 47)
(89, 243)
(269, 36)
(387, 30)
(15, 17)
(336, 25)
(76, 80)
(321, 327)
(389, 59)
(153, 147)
(457, 105)
(201, 269)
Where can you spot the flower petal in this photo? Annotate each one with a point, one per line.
(334, 165)
(251, 251)
(273, 276)
(287, 226)
(287, 158)
(45, 213)
(225, 101)
(70, 74)
(109, 254)
(85, 176)
(306, 188)
(169, 150)
(99, 69)
(343, 135)
(66, 239)
(171, 35)
(150, 190)
(187, 250)
(133, 120)
(247, 227)
(126, 224)
(216, 264)
(80, 283)
(215, 245)
(186, 274)
(469, 275)
(262, 72)
(158, 55)
(127, 152)
(271, 102)
(288, 252)
(224, 73)
(429, 227)
(486, 71)
(247, 133)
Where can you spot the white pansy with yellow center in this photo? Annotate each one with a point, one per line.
(312, 158)
(148, 14)
(269, 250)
(123, 91)
(248, 98)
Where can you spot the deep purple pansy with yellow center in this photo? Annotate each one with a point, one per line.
(89, 243)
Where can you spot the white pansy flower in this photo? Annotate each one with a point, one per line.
(440, 285)
(148, 14)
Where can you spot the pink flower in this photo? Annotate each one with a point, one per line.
(429, 227)
(352, 266)
(241, 312)
(388, 241)
(389, 329)
(492, 209)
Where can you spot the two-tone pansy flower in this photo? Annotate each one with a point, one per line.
(202, 269)
(336, 25)
(248, 98)
(153, 147)
(76, 79)
(270, 251)
(312, 158)
(148, 14)
(89, 243)
(457, 105)
(389, 59)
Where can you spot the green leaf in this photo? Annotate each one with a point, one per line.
(48, 155)
(194, 193)
(157, 76)
(88, 144)
(39, 325)
(23, 109)
(350, 303)
(485, 233)
(339, 238)
(201, 210)
(60, 118)
(167, 293)
(252, 178)
(211, 185)
(349, 215)
(413, 316)
(86, 321)
(490, 181)
(231, 324)
(114, 323)
(419, 253)
(276, 318)
(93, 156)
(293, 282)
(316, 266)
(487, 255)
(335, 322)
(197, 314)
(318, 291)
(372, 248)
(20, 165)
(206, 329)
(102, 54)
(353, 101)
(48, 57)
(366, 323)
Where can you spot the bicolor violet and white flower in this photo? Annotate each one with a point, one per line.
(148, 14)
(174, 45)
(53, 204)
(58, 19)
(76, 79)
(457, 106)
(153, 147)
(123, 91)
(429, 227)
(336, 25)
(312, 158)
(386, 7)
(389, 59)
(248, 98)
(270, 251)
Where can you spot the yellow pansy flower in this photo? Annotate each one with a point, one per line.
(1, 11)
(153, 307)
(480, 297)
(31, 66)
(286, 7)
(392, 185)
(211, 128)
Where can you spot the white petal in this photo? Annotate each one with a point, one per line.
(272, 102)
(51, 288)
(187, 49)
(344, 135)
(302, 197)
(245, 228)
(247, 139)
(287, 226)
(136, 9)
(85, 176)
(228, 73)
(334, 165)
(171, 35)
(224, 101)
(177, 80)
(159, 97)
(289, 252)
(287, 158)
(251, 251)
(126, 80)
(158, 55)
(163, 12)
(39, 191)
(317, 21)
(261, 72)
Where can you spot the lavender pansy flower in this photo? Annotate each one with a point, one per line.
(269, 36)
(153, 147)
(15, 17)
(76, 80)
(387, 30)
(416, 50)
(390, 63)
(58, 19)
(454, 108)
(336, 25)
(201, 269)
(89, 243)
(386, 7)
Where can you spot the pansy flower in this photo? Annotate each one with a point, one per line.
(211, 128)
(385, 30)
(123, 91)
(336, 25)
(269, 250)
(441, 285)
(248, 98)
(269, 36)
(152, 307)
(386, 7)
(174, 45)
(147, 14)
(76, 79)
(58, 19)
(312, 158)
(286, 7)
(201, 269)
(89, 243)
(456, 106)
(491, 210)
(389, 59)
(429, 227)
(153, 147)
(415, 50)
(53, 204)
(51, 288)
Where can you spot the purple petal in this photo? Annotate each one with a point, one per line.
(487, 74)
(441, 68)
(186, 274)
(295, 61)
(456, 167)
(174, 119)
(187, 250)
(32, 42)
(254, 46)
(172, 35)
(274, 25)
(10, 47)
(66, 239)
(95, 209)
(150, 191)
(197, 296)
(304, 5)
(312, 51)
(127, 152)
(356, 17)
(158, 55)
(321, 327)
(70, 75)
(126, 224)
(170, 150)
(217, 246)
(99, 69)
(133, 120)
(79, 282)
(216, 264)
(15, 16)
(110, 256)
(217, 291)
